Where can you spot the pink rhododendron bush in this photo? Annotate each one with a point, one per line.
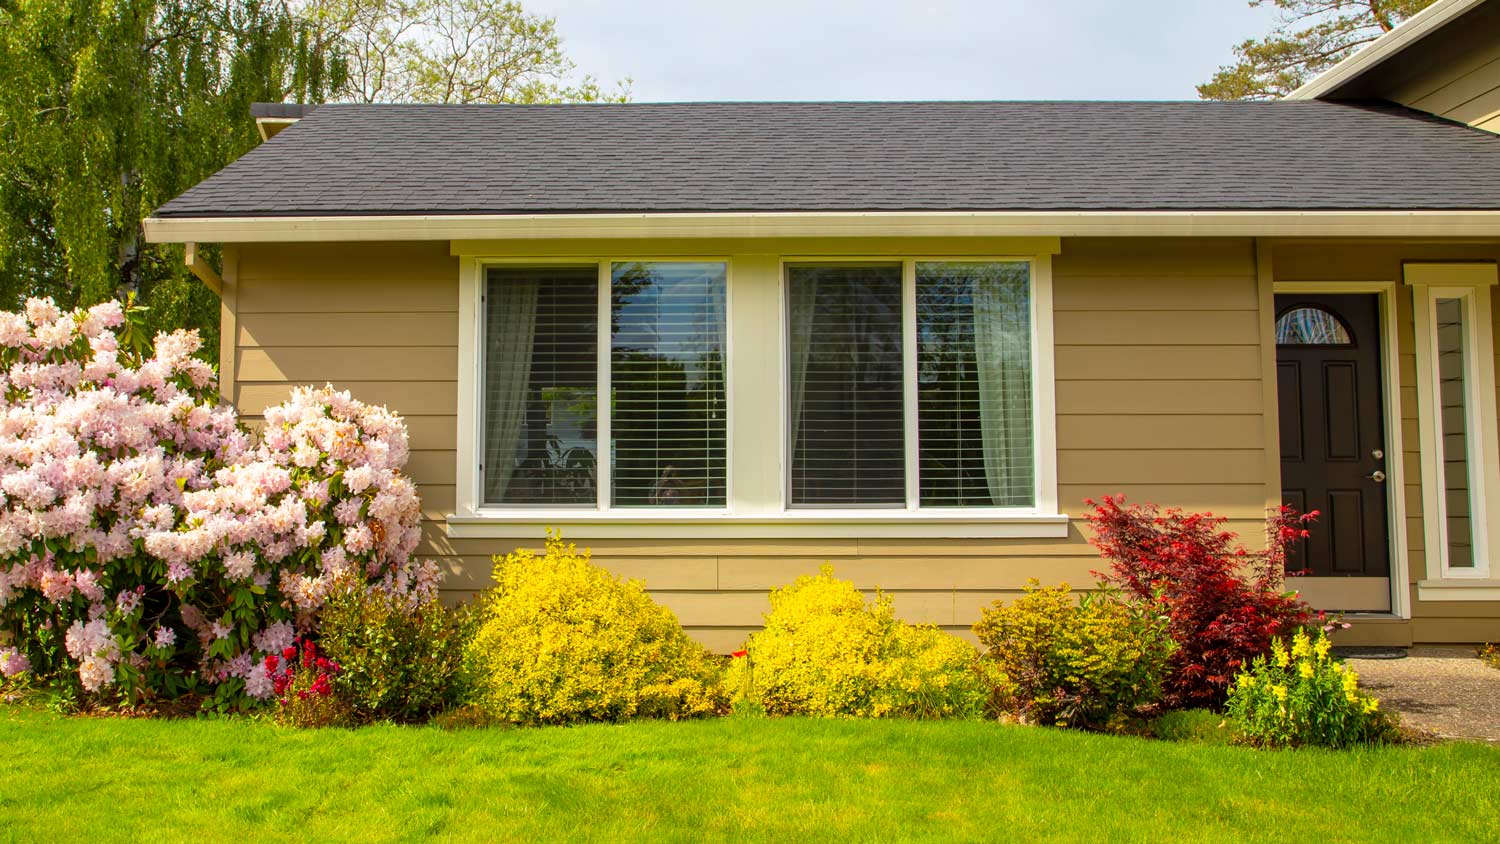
(151, 546)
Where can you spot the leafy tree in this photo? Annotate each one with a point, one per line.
(1310, 37)
(110, 109)
(452, 51)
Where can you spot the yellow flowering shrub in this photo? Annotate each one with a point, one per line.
(561, 640)
(827, 652)
(1077, 663)
(1300, 696)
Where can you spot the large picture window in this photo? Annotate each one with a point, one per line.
(541, 371)
(667, 381)
(542, 386)
(845, 379)
(851, 404)
(974, 384)
(755, 396)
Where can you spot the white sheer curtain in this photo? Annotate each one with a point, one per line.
(510, 329)
(803, 302)
(1002, 357)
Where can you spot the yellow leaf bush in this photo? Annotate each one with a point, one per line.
(1078, 664)
(561, 640)
(826, 652)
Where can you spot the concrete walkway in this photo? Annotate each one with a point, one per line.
(1442, 690)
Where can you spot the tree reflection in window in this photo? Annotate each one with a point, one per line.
(1311, 326)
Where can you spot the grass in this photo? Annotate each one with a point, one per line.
(736, 779)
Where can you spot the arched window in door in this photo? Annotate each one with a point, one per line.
(1309, 325)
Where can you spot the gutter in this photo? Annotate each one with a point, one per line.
(1395, 223)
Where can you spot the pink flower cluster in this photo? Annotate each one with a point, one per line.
(134, 507)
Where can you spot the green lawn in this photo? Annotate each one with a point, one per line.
(740, 780)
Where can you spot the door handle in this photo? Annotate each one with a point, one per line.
(1377, 476)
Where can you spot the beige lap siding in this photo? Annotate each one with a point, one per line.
(1466, 88)
(1159, 396)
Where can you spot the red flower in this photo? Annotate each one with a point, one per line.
(271, 663)
(739, 654)
(289, 652)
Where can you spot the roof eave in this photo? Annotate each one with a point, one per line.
(1206, 223)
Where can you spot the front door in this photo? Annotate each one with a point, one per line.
(1333, 448)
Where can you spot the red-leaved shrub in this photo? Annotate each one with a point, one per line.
(1223, 603)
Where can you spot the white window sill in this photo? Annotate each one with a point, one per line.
(793, 524)
(1459, 589)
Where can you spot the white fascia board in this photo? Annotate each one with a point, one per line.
(1408, 32)
(864, 224)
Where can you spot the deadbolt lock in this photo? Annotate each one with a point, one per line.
(1378, 454)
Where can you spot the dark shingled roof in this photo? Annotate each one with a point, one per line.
(953, 156)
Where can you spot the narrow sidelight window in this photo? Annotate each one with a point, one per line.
(974, 390)
(846, 425)
(667, 384)
(541, 386)
(1452, 356)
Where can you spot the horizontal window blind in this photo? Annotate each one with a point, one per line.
(845, 361)
(974, 384)
(667, 381)
(541, 385)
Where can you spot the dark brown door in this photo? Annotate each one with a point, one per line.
(1333, 449)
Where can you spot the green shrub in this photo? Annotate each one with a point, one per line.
(825, 651)
(1079, 664)
(400, 660)
(1301, 696)
(561, 640)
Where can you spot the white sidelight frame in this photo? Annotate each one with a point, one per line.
(1470, 284)
(1390, 385)
(752, 509)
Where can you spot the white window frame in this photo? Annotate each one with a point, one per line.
(1470, 284)
(472, 518)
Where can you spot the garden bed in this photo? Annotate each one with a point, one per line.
(740, 779)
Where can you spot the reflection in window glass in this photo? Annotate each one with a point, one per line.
(667, 381)
(1451, 356)
(540, 383)
(847, 427)
(1310, 326)
(974, 384)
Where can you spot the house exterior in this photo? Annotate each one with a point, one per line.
(722, 344)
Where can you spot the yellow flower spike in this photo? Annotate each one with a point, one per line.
(1279, 691)
(1300, 646)
(1322, 647)
(1283, 659)
(1306, 670)
(1371, 705)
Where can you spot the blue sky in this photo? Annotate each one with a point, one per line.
(680, 50)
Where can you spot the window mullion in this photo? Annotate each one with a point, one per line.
(909, 382)
(605, 458)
